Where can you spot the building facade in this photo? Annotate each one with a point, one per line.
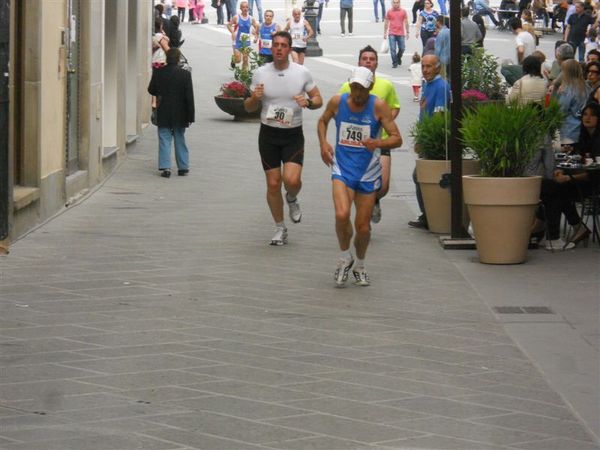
(77, 98)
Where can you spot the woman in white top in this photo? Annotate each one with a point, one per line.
(532, 86)
(301, 32)
(160, 45)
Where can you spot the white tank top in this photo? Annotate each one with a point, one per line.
(298, 31)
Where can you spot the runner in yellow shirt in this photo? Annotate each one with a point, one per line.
(383, 89)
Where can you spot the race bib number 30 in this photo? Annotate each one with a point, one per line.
(352, 135)
(266, 43)
(280, 114)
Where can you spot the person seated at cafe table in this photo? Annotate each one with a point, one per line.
(560, 193)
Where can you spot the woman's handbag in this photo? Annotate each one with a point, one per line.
(184, 63)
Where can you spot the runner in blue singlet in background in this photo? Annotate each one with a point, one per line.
(241, 28)
(265, 36)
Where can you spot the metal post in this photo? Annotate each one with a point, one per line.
(310, 14)
(459, 238)
(458, 230)
(5, 190)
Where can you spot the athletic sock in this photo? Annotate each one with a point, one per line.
(359, 263)
(346, 255)
(280, 225)
(289, 198)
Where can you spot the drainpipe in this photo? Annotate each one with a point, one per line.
(5, 190)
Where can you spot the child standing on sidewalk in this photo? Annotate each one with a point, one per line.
(416, 76)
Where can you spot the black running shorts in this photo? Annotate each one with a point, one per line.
(299, 49)
(277, 145)
(385, 152)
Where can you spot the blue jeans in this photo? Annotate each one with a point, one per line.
(382, 9)
(485, 11)
(443, 10)
(319, 17)
(230, 6)
(165, 135)
(258, 8)
(397, 47)
(580, 48)
(220, 18)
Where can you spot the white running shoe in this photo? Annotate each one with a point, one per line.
(360, 277)
(341, 272)
(376, 214)
(558, 245)
(295, 211)
(280, 237)
(343, 35)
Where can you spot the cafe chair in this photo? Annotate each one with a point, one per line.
(590, 209)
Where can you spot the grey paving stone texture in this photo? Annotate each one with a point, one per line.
(153, 315)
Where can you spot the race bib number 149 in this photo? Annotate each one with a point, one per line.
(352, 135)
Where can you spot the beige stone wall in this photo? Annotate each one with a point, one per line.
(52, 86)
(117, 78)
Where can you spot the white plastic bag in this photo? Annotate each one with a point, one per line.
(385, 47)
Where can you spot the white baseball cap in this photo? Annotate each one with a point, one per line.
(362, 76)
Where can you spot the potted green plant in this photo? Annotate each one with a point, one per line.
(479, 71)
(430, 136)
(232, 94)
(502, 200)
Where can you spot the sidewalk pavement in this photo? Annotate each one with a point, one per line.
(153, 315)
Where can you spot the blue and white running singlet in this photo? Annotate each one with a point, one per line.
(244, 26)
(356, 166)
(266, 38)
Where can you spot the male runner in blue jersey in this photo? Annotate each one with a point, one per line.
(355, 166)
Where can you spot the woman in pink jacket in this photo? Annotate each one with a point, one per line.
(198, 7)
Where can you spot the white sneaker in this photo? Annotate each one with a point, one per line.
(341, 272)
(376, 214)
(343, 35)
(558, 245)
(350, 34)
(361, 278)
(295, 212)
(280, 237)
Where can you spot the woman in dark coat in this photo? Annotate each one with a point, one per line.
(175, 112)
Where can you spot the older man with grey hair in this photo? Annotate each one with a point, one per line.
(563, 53)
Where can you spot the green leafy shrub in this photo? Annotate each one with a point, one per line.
(505, 137)
(480, 72)
(431, 135)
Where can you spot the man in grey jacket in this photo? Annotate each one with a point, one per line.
(470, 32)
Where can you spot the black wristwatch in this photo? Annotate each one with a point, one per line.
(309, 103)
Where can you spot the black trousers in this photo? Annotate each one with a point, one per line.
(560, 198)
(419, 5)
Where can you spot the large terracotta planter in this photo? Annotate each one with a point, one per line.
(437, 200)
(502, 211)
(235, 107)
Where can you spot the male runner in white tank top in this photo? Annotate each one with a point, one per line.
(284, 88)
